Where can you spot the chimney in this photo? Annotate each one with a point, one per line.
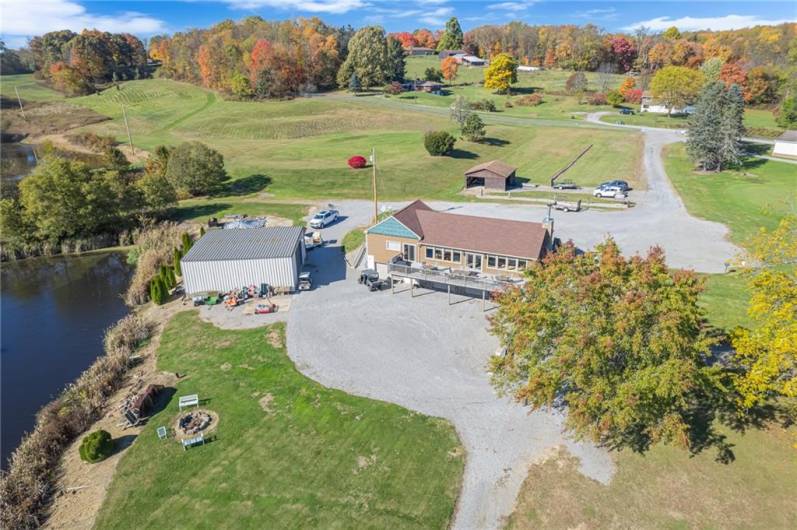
(547, 223)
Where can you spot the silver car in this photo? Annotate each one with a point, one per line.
(323, 218)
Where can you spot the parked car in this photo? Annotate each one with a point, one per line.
(305, 281)
(565, 185)
(621, 184)
(626, 111)
(610, 192)
(370, 278)
(323, 218)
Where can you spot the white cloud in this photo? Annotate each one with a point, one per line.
(707, 23)
(23, 18)
(430, 2)
(335, 7)
(437, 17)
(510, 6)
(602, 14)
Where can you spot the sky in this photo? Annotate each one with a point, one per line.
(21, 19)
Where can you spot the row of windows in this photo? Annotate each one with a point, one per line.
(444, 254)
(504, 263)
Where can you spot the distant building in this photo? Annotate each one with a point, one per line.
(786, 145)
(448, 53)
(418, 50)
(649, 104)
(494, 175)
(471, 60)
(525, 68)
(430, 87)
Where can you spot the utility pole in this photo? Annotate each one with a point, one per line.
(129, 136)
(373, 182)
(19, 100)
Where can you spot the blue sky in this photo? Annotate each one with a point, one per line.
(20, 19)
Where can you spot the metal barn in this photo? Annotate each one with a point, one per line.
(227, 259)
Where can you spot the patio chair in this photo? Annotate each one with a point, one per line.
(162, 433)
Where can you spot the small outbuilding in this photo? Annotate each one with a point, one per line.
(786, 145)
(431, 87)
(494, 175)
(472, 60)
(222, 260)
(450, 53)
(418, 50)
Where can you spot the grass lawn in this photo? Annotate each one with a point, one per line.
(666, 488)
(289, 453)
(299, 148)
(353, 239)
(758, 195)
(29, 89)
(200, 210)
(726, 299)
(759, 122)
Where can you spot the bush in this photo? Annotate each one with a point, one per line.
(195, 169)
(433, 74)
(438, 143)
(633, 95)
(25, 488)
(483, 104)
(615, 98)
(357, 162)
(98, 143)
(473, 128)
(598, 98)
(508, 104)
(531, 100)
(394, 88)
(96, 447)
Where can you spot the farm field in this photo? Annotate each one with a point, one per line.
(300, 147)
(757, 195)
(200, 210)
(759, 122)
(665, 488)
(287, 453)
(29, 89)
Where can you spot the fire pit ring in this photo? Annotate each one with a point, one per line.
(193, 422)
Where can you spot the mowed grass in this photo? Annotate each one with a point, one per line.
(726, 299)
(200, 210)
(309, 457)
(667, 489)
(29, 89)
(301, 146)
(755, 196)
(759, 122)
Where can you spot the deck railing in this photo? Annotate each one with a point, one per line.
(449, 277)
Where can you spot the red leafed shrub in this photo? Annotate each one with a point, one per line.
(633, 96)
(598, 98)
(357, 162)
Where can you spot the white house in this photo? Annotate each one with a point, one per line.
(526, 68)
(786, 145)
(472, 60)
(648, 104)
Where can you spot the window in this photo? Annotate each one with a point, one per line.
(501, 263)
(408, 252)
(491, 261)
(511, 264)
(446, 255)
(438, 253)
(456, 257)
(430, 252)
(392, 245)
(521, 264)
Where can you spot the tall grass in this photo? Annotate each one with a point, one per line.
(154, 248)
(27, 485)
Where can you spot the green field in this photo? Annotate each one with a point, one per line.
(558, 106)
(757, 195)
(200, 210)
(666, 489)
(726, 299)
(300, 147)
(759, 122)
(29, 89)
(288, 452)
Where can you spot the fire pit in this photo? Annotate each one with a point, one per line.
(195, 421)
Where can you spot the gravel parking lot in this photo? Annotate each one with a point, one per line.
(428, 356)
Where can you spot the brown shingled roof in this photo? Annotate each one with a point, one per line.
(493, 166)
(409, 218)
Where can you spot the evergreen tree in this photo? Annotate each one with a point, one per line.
(368, 58)
(187, 243)
(716, 128)
(354, 83)
(176, 262)
(157, 292)
(396, 60)
(452, 38)
(473, 128)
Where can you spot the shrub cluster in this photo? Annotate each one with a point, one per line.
(99, 143)
(357, 162)
(633, 95)
(27, 485)
(483, 104)
(438, 143)
(96, 447)
(531, 100)
(394, 88)
(154, 249)
(598, 98)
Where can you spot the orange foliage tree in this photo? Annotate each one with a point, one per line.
(449, 67)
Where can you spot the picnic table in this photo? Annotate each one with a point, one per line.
(199, 439)
(191, 400)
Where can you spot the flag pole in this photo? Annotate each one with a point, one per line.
(373, 182)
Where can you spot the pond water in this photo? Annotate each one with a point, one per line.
(53, 314)
(16, 161)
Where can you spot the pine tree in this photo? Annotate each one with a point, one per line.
(187, 243)
(157, 292)
(201, 231)
(177, 256)
(354, 83)
(732, 127)
(716, 127)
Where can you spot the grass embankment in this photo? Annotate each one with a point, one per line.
(759, 122)
(29, 89)
(200, 210)
(299, 148)
(289, 453)
(353, 239)
(666, 488)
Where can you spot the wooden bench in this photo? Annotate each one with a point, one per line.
(199, 439)
(189, 401)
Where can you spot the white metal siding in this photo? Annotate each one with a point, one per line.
(203, 276)
(785, 149)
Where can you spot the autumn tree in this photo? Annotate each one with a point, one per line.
(629, 83)
(733, 74)
(762, 86)
(195, 169)
(368, 58)
(425, 38)
(452, 38)
(449, 67)
(619, 342)
(623, 52)
(766, 353)
(406, 39)
(671, 33)
(501, 73)
(576, 83)
(787, 112)
(676, 86)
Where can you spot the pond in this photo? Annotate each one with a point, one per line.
(16, 161)
(53, 314)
